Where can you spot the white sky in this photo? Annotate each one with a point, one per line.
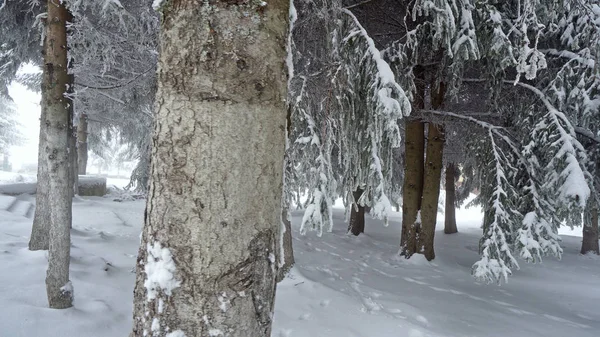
(28, 109)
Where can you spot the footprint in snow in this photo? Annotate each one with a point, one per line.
(376, 294)
(357, 280)
(370, 306)
(422, 319)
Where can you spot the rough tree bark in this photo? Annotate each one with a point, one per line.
(55, 158)
(414, 145)
(450, 210)
(288, 249)
(432, 176)
(589, 244)
(82, 145)
(73, 172)
(357, 215)
(207, 264)
(39, 230)
(431, 189)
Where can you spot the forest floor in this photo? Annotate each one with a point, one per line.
(342, 286)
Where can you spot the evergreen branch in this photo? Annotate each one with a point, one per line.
(347, 7)
(587, 133)
(590, 63)
(116, 86)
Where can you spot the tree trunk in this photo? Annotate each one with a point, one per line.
(450, 211)
(40, 228)
(589, 244)
(431, 189)
(286, 245)
(5, 163)
(414, 144)
(55, 156)
(357, 215)
(82, 145)
(207, 264)
(74, 161)
(73, 173)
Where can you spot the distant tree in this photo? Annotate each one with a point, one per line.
(112, 50)
(9, 126)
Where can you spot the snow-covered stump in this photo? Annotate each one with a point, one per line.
(92, 186)
(18, 189)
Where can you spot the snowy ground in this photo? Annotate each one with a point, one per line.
(342, 286)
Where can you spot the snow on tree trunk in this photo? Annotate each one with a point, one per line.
(55, 157)
(207, 264)
(357, 215)
(413, 185)
(286, 245)
(82, 145)
(431, 189)
(450, 210)
(589, 244)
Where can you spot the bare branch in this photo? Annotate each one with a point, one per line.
(116, 85)
(358, 4)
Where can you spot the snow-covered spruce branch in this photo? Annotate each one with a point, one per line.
(318, 180)
(568, 156)
(373, 104)
(386, 78)
(587, 133)
(452, 25)
(569, 55)
(495, 247)
(344, 135)
(507, 231)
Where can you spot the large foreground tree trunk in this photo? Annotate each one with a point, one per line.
(82, 145)
(589, 244)
(207, 264)
(357, 215)
(450, 209)
(55, 156)
(431, 189)
(414, 144)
